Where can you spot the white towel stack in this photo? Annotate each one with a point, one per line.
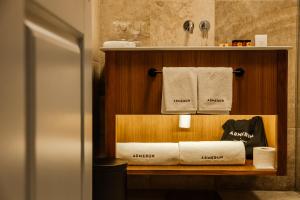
(185, 153)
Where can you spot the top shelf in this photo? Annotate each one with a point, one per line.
(196, 48)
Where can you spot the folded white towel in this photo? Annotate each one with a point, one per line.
(214, 90)
(212, 153)
(179, 90)
(118, 44)
(148, 153)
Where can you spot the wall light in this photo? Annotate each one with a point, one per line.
(184, 121)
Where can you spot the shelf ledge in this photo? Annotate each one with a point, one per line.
(247, 169)
(195, 48)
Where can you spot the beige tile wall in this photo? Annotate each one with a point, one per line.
(242, 19)
(159, 23)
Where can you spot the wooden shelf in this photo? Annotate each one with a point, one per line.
(247, 169)
(149, 128)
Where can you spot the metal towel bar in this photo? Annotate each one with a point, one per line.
(238, 72)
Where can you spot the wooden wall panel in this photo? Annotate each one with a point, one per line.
(164, 128)
(261, 91)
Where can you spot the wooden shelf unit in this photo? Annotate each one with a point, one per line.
(262, 90)
(164, 128)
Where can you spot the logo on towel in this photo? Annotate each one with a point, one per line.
(182, 100)
(215, 100)
(143, 155)
(241, 134)
(212, 157)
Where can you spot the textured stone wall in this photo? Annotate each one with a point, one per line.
(158, 21)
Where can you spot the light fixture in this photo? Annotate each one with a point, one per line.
(184, 121)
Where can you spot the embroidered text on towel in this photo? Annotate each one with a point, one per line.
(212, 157)
(143, 156)
(182, 100)
(215, 100)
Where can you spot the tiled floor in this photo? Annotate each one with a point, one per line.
(211, 195)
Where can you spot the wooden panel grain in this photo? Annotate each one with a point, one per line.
(164, 128)
(247, 169)
(129, 89)
(258, 83)
(179, 59)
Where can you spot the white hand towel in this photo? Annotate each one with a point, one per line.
(148, 153)
(214, 90)
(179, 90)
(118, 44)
(212, 153)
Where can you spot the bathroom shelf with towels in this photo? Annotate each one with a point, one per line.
(129, 90)
(153, 72)
(164, 128)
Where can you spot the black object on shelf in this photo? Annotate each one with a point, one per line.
(109, 179)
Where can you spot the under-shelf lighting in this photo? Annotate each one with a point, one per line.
(184, 121)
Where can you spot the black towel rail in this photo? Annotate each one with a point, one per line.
(238, 72)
